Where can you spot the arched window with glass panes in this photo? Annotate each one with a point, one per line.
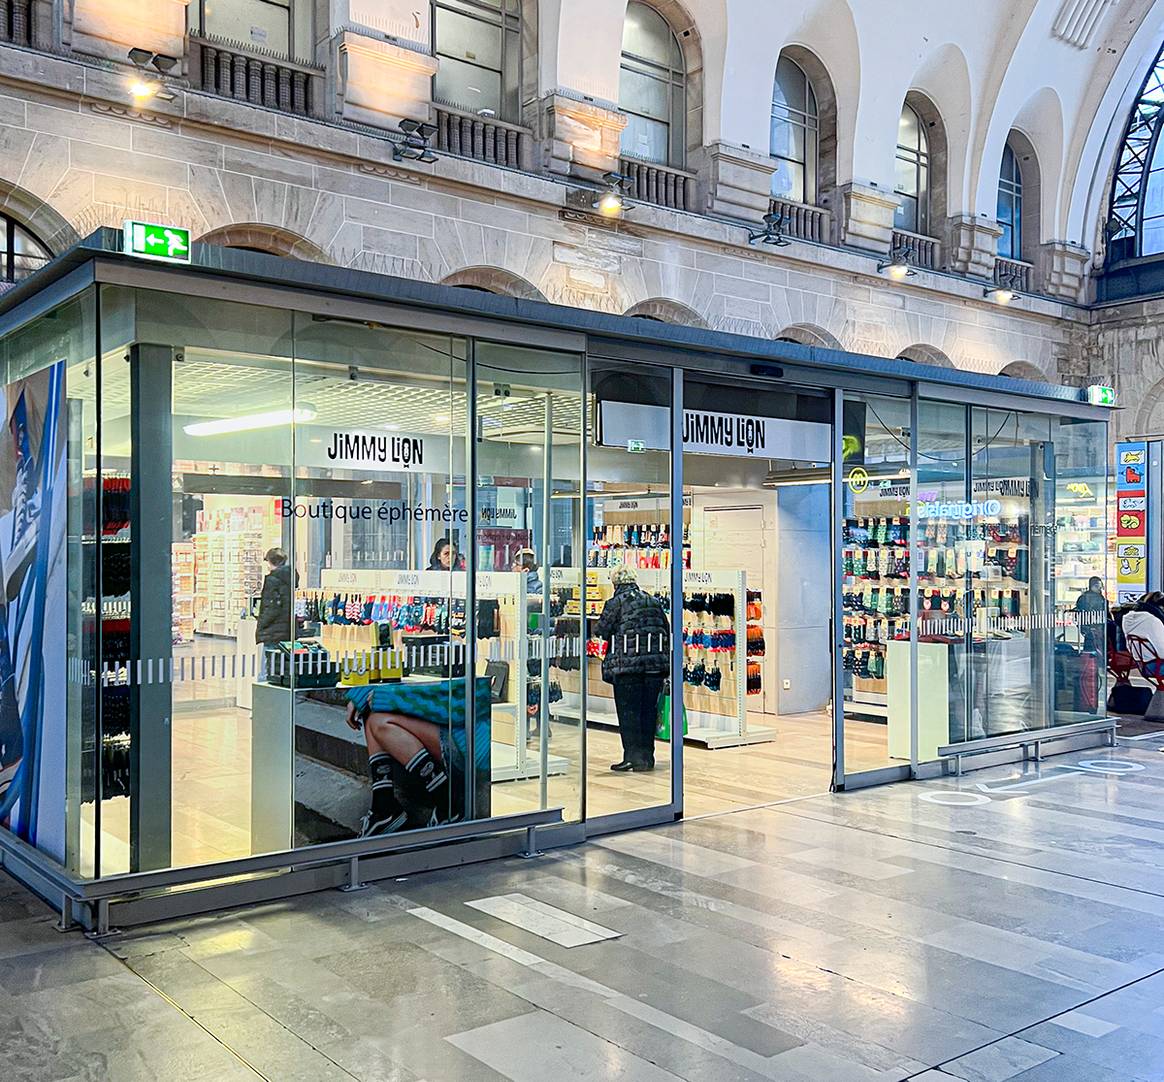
(21, 252)
(1010, 206)
(478, 45)
(1135, 224)
(652, 89)
(795, 134)
(912, 174)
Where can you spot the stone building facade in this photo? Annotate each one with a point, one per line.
(297, 152)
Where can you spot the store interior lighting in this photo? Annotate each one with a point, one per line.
(251, 421)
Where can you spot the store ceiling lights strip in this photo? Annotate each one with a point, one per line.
(272, 419)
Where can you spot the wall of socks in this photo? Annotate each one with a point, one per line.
(969, 568)
(378, 623)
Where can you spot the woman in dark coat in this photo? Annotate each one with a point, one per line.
(277, 600)
(638, 658)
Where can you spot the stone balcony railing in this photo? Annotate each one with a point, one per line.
(801, 221)
(232, 70)
(663, 185)
(16, 21)
(917, 249)
(1013, 274)
(483, 138)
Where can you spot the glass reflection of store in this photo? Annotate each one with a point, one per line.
(388, 547)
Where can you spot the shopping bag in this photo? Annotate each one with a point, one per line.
(663, 717)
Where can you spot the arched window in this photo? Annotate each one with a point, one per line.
(912, 183)
(795, 134)
(1136, 221)
(478, 43)
(20, 252)
(652, 88)
(1010, 206)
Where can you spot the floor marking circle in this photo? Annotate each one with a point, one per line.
(955, 798)
(1111, 766)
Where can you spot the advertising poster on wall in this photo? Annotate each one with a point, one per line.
(1131, 521)
(32, 648)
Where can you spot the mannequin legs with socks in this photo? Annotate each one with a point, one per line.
(406, 765)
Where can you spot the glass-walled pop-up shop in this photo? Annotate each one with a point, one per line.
(344, 575)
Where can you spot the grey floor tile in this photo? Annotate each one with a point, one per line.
(1000, 1061)
(540, 1046)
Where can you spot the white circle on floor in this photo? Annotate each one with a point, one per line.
(955, 798)
(1110, 766)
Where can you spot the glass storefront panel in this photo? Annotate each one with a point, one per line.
(348, 515)
(1012, 542)
(875, 544)
(47, 717)
(949, 564)
(631, 547)
(528, 540)
(380, 527)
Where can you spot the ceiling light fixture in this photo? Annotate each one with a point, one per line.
(414, 146)
(773, 231)
(250, 421)
(611, 203)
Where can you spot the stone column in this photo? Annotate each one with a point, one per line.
(110, 28)
(580, 135)
(867, 217)
(1061, 270)
(972, 244)
(738, 182)
(381, 82)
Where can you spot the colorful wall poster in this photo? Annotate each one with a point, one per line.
(1131, 520)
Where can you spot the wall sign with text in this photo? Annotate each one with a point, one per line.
(1131, 520)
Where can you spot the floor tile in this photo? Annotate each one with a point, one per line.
(547, 921)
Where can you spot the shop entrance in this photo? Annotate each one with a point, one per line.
(757, 596)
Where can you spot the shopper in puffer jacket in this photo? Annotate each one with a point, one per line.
(638, 657)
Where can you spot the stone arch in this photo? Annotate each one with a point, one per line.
(50, 227)
(272, 239)
(808, 334)
(826, 112)
(923, 354)
(1024, 370)
(1030, 230)
(939, 173)
(663, 310)
(686, 32)
(1150, 415)
(494, 280)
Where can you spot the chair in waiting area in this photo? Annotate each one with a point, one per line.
(1151, 666)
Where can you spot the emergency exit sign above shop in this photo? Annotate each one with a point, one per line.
(166, 243)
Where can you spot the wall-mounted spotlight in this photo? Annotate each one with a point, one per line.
(414, 146)
(612, 202)
(143, 87)
(773, 231)
(1007, 283)
(999, 294)
(898, 266)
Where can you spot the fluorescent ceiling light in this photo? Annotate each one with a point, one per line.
(250, 421)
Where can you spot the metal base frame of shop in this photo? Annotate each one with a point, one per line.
(330, 293)
(100, 905)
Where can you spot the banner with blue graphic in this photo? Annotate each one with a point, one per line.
(32, 609)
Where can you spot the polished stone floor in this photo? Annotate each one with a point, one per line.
(999, 926)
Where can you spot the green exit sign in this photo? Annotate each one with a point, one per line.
(636, 447)
(1098, 395)
(147, 240)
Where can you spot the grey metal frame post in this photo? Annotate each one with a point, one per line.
(838, 646)
(914, 554)
(471, 579)
(544, 622)
(677, 591)
(150, 697)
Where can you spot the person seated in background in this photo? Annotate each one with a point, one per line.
(1146, 622)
